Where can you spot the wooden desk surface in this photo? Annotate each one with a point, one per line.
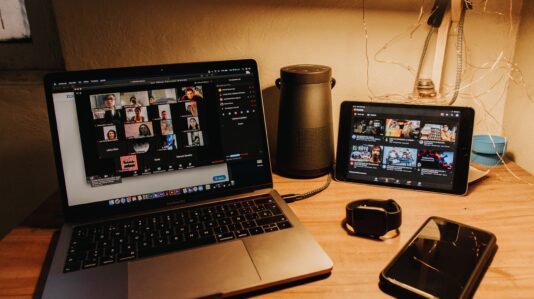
(501, 204)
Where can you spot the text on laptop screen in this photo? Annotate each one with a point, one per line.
(124, 140)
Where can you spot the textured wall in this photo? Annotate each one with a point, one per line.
(278, 33)
(26, 152)
(519, 111)
(43, 52)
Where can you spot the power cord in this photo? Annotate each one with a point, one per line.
(459, 57)
(289, 198)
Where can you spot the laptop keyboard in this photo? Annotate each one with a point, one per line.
(149, 235)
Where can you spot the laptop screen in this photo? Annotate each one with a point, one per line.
(159, 135)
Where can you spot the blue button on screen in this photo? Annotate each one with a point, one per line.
(218, 178)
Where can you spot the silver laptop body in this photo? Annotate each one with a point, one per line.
(214, 168)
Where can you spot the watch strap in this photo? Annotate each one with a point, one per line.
(392, 210)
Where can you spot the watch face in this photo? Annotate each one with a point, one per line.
(370, 221)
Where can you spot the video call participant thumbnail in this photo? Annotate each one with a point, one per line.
(128, 163)
(134, 98)
(105, 108)
(109, 145)
(191, 108)
(164, 112)
(138, 130)
(110, 133)
(192, 123)
(192, 93)
(195, 139)
(168, 143)
(137, 114)
(140, 147)
(162, 96)
(166, 127)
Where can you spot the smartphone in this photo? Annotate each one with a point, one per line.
(444, 259)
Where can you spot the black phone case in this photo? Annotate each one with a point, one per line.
(480, 268)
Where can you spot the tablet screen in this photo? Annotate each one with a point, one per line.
(410, 146)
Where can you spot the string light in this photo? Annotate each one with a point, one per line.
(502, 65)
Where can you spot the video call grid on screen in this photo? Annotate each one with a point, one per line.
(199, 141)
(145, 131)
(80, 191)
(406, 148)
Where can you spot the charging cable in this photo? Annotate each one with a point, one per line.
(289, 198)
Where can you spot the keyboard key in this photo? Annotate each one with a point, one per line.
(93, 253)
(273, 208)
(270, 220)
(255, 230)
(265, 214)
(205, 218)
(126, 256)
(252, 216)
(245, 211)
(196, 226)
(221, 229)
(103, 244)
(89, 262)
(248, 224)
(238, 219)
(146, 244)
(161, 241)
(107, 259)
(225, 237)
(284, 225)
(210, 224)
(177, 238)
(234, 227)
(224, 221)
(263, 201)
(109, 251)
(248, 203)
(75, 258)
(72, 266)
(81, 245)
(205, 232)
(242, 233)
(192, 236)
(270, 229)
(182, 229)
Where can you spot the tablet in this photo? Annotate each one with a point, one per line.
(408, 146)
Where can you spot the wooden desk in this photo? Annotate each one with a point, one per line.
(501, 204)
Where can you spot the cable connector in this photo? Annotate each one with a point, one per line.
(295, 197)
(438, 11)
(289, 198)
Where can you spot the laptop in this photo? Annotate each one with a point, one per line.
(166, 183)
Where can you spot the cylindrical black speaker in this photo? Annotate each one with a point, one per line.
(305, 134)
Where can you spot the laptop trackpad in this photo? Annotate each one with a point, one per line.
(198, 272)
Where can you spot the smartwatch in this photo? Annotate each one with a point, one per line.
(373, 218)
